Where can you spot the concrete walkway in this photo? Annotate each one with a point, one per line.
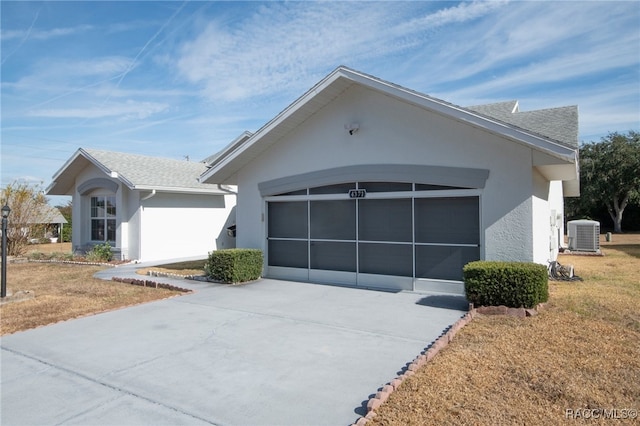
(266, 353)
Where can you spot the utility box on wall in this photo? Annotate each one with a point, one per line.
(584, 235)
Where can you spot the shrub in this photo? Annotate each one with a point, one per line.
(37, 255)
(100, 253)
(513, 284)
(234, 265)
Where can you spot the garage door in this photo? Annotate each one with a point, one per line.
(392, 235)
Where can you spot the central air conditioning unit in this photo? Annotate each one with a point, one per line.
(584, 235)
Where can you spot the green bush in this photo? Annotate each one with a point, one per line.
(512, 284)
(37, 255)
(234, 265)
(100, 253)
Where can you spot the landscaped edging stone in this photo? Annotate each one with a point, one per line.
(430, 352)
(74, 262)
(148, 283)
(162, 274)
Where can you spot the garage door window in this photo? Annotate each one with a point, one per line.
(288, 234)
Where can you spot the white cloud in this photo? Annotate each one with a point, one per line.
(124, 110)
(282, 47)
(35, 34)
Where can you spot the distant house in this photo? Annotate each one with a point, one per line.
(147, 208)
(49, 222)
(366, 183)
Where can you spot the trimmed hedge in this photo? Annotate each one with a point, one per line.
(234, 265)
(512, 284)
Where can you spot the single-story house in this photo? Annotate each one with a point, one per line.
(147, 208)
(366, 183)
(49, 222)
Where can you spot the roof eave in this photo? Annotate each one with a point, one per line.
(53, 188)
(555, 149)
(216, 190)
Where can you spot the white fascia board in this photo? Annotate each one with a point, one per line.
(231, 146)
(438, 106)
(67, 163)
(234, 150)
(107, 171)
(461, 114)
(218, 190)
(56, 176)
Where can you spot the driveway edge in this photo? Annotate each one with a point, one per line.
(425, 356)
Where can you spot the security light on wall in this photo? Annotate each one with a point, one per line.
(352, 128)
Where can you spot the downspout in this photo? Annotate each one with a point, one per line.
(153, 193)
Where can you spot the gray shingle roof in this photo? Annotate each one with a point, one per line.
(559, 124)
(47, 214)
(144, 172)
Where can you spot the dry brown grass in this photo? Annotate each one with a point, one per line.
(49, 248)
(581, 352)
(63, 292)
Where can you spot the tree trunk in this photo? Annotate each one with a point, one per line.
(617, 211)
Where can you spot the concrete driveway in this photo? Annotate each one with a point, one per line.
(267, 353)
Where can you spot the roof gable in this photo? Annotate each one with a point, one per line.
(137, 172)
(229, 161)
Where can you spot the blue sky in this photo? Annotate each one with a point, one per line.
(176, 79)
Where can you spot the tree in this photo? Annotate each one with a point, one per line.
(610, 174)
(30, 214)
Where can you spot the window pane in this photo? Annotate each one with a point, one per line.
(333, 220)
(385, 220)
(97, 229)
(445, 263)
(111, 206)
(341, 188)
(288, 219)
(97, 207)
(111, 230)
(298, 192)
(291, 254)
(333, 256)
(448, 220)
(385, 186)
(427, 187)
(386, 259)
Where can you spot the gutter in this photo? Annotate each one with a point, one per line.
(152, 194)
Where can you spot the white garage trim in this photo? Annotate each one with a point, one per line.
(435, 175)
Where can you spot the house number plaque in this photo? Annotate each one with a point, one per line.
(357, 193)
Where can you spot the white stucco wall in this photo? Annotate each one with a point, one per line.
(394, 132)
(131, 216)
(183, 225)
(541, 220)
(164, 226)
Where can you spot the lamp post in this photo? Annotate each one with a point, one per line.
(5, 214)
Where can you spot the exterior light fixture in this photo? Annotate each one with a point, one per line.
(352, 128)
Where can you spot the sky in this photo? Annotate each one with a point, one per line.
(182, 79)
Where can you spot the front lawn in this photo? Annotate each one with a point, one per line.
(579, 357)
(64, 291)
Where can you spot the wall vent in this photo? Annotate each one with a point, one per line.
(584, 235)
